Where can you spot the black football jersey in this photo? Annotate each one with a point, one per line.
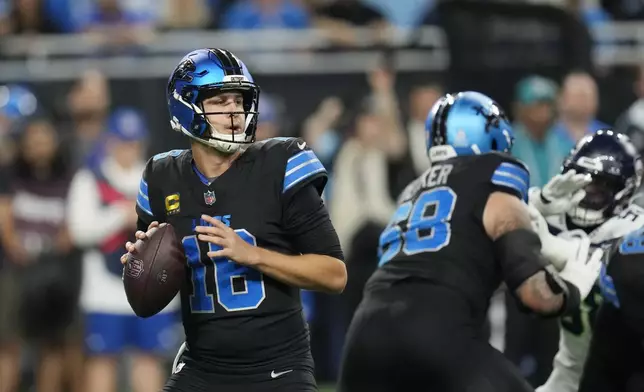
(621, 280)
(437, 232)
(234, 316)
(616, 355)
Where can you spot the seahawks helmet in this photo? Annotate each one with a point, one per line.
(200, 75)
(616, 169)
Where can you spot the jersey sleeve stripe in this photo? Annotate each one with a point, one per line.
(299, 159)
(143, 207)
(143, 188)
(514, 177)
(300, 167)
(142, 198)
(517, 171)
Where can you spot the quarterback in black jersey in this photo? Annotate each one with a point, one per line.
(615, 361)
(254, 230)
(460, 230)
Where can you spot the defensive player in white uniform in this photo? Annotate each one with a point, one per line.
(608, 168)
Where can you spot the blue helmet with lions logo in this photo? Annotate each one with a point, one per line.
(616, 169)
(467, 123)
(202, 74)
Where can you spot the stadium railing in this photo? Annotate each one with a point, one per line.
(63, 57)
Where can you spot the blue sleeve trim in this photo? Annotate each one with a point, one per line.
(300, 167)
(512, 176)
(142, 199)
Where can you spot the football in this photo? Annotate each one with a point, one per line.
(154, 272)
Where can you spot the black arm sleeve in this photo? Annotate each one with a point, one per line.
(307, 224)
(519, 254)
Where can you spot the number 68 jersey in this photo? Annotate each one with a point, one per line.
(437, 232)
(236, 318)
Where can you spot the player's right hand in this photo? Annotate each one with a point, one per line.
(583, 267)
(139, 235)
(560, 194)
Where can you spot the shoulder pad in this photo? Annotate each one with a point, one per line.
(171, 153)
(161, 161)
(158, 163)
(299, 164)
(510, 174)
(629, 220)
(410, 190)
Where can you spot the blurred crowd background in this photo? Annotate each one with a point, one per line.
(82, 107)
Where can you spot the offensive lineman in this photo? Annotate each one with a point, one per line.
(254, 230)
(460, 230)
(603, 214)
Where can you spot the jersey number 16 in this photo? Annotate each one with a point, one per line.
(428, 228)
(226, 273)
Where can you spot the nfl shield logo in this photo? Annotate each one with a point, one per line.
(209, 197)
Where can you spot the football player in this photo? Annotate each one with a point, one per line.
(254, 229)
(460, 230)
(603, 214)
(616, 357)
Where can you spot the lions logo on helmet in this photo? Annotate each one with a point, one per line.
(616, 169)
(202, 74)
(467, 123)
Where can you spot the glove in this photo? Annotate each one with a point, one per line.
(556, 250)
(583, 267)
(560, 194)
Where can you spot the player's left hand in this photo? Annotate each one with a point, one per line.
(233, 246)
(555, 250)
(562, 193)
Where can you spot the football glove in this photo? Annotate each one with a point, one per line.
(556, 250)
(583, 267)
(560, 194)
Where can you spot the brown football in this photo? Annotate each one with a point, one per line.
(154, 272)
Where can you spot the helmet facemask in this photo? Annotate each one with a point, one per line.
(205, 132)
(605, 196)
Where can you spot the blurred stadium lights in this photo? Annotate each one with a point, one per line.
(63, 57)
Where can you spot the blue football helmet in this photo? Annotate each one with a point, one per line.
(616, 169)
(467, 123)
(204, 73)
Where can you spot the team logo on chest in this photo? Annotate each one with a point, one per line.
(209, 197)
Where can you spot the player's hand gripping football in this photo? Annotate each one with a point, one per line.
(560, 194)
(139, 235)
(232, 246)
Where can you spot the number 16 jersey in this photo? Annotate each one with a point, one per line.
(236, 319)
(437, 233)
